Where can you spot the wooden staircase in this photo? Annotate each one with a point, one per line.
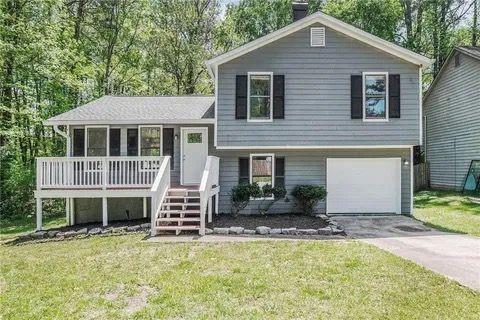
(180, 211)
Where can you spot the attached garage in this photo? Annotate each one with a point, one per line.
(367, 185)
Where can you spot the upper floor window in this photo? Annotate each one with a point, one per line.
(260, 88)
(375, 96)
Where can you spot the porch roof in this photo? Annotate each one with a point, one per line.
(140, 110)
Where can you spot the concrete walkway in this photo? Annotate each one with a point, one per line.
(455, 256)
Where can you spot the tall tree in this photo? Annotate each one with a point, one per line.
(475, 27)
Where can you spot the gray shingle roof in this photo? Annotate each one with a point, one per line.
(140, 110)
(470, 50)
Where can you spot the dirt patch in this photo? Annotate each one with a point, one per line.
(272, 221)
(139, 301)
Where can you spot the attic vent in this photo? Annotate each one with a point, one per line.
(317, 37)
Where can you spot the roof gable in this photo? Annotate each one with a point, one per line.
(473, 52)
(327, 21)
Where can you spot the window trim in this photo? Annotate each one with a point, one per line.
(259, 73)
(250, 169)
(108, 139)
(364, 98)
(140, 138)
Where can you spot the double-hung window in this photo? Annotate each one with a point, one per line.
(260, 102)
(150, 140)
(375, 96)
(262, 169)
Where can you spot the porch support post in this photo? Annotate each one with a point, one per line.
(104, 211)
(72, 211)
(216, 202)
(210, 209)
(39, 214)
(144, 207)
(68, 215)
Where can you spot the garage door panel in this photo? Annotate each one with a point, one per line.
(363, 185)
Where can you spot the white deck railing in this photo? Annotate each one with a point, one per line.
(96, 172)
(208, 188)
(159, 191)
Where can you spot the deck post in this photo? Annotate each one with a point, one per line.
(144, 207)
(216, 202)
(210, 202)
(72, 211)
(68, 215)
(39, 214)
(104, 211)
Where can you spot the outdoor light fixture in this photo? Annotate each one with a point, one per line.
(406, 162)
(176, 136)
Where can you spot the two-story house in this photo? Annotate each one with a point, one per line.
(316, 102)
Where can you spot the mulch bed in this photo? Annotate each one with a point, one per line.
(111, 224)
(273, 221)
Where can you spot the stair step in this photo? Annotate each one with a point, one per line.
(175, 228)
(181, 211)
(182, 197)
(181, 204)
(178, 219)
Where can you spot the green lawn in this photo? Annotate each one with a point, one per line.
(123, 277)
(449, 211)
(11, 227)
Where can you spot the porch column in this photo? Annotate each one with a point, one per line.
(68, 215)
(39, 214)
(210, 209)
(216, 202)
(104, 211)
(72, 211)
(144, 207)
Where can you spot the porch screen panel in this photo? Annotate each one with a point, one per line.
(96, 142)
(150, 140)
(132, 142)
(115, 142)
(78, 142)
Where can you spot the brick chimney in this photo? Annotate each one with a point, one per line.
(300, 10)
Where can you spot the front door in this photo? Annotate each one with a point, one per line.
(194, 154)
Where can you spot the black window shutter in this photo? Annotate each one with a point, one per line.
(78, 142)
(168, 139)
(279, 96)
(243, 170)
(356, 95)
(241, 97)
(132, 142)
(279, 172)
(394, 96)
(115, 142)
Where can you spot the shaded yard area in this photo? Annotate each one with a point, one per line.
(448, 211)
(124, 277)
(12, 226)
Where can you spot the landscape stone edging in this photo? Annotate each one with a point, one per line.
(84, 232)
(330, 230)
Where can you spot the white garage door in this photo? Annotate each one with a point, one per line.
(364, 185)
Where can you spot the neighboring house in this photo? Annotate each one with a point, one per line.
(452, 119)
(316, 102)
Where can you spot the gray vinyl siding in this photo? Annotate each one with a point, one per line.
(303, 167)
(452, 112)
(317, 95)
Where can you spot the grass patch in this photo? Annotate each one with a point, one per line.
(122, 277)
(12, 227)
(448, 211)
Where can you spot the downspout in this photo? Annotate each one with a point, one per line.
(66, 135)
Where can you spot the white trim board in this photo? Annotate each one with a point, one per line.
(312, 147)
(326, 21)
(128, 122)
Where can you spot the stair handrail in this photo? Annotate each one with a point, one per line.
(210, 179)
(159, 190)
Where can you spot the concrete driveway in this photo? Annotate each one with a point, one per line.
(455, 256)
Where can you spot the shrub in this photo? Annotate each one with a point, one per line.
(277, 193)
(308, 196)
(241, 195)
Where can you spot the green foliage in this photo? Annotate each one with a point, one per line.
(308, 196)
(241, 195)
(271, 195)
